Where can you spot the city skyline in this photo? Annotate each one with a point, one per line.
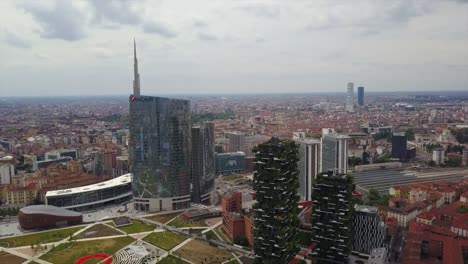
(76, 48)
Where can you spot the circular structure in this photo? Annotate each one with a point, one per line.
(95, 256)
(44, 216)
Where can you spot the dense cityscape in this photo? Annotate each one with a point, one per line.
(359, 176)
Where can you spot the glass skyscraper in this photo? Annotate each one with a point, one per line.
(203, 162)
(160, 152)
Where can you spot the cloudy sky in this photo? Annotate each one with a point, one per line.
(85, 47)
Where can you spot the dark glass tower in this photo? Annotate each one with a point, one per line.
(399, 146)
(159, 152)
(275, 213)
(360, 95)
(332, 218)
(203, 162)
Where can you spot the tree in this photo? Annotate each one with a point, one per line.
(409, 134)
(431, 163)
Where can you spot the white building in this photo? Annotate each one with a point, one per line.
(7, 172)
(438, 156)
(308, 166)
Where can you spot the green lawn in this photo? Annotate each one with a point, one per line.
(69, 252)
(211, 235)
(234, 261)
(181, 222)
(98, 230)
(137, 227)
(10, 258)
(198, 252)
(163, 218)
(165, 240)
(42, 238)
(172, 260)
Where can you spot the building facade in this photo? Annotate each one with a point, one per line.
(360, 94)
(308, 166)
(335, 153)
(368, 230)
(46, 216)
(229, 163)
(160, 152)
(113, 191)
(332, 218)
(236, 141)
(350, 97)
(399, 146)
(203, 163)
(275, 213)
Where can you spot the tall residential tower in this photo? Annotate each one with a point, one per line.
(203, 162)
(275, 213)
(335, 153)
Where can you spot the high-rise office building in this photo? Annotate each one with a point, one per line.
(308, 165)
(236, 141)
(350, 98)
(159, 151)
(368, 230)
(335, 153)
(399, 146)
(203, 162)
(360, 95)
(332, 218)
(275, 213)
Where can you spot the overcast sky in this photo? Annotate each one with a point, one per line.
(85, 47)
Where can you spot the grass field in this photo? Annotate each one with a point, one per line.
(98, 230)
(172, 260)
(211, 235)
(234, 261)
(180, 222)
(164, 218)
(165, 240)
(137, 227)
(6, 257)
(67, 253)
(42, 238)
(198, 252)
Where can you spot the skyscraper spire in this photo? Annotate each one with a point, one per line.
(136, 75)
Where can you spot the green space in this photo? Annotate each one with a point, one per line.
(137, 227)
(6, 257)
(375, 198)
(304, 238)
(180, 222)
(462, 210)
(165, 240)
(172, 260)
(38, 238)
(233, 261)
(198, 118)
(211, 235)
(11, 211)
(69, 252)
(233, 178)
(98, 230)
(201, 252)
(164, 218)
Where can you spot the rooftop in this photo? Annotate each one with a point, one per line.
(121, 180)
(48, 209)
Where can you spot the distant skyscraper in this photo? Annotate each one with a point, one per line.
(159, 151)
(203, 162)
(136, 74)
(275, 213)
(360, 95)
(308, 165)
(236, 141)
(368, 230)
(335, 153)
(332, 218)
(350, 98)
(399, 146)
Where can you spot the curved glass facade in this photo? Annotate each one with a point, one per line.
(159, 147)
